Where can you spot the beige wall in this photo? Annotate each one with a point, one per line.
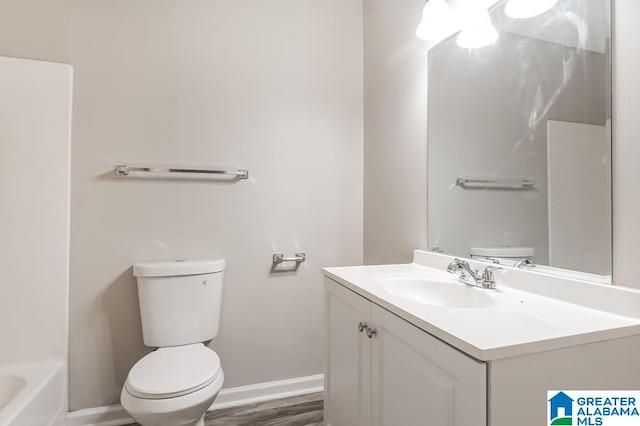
(274, 87)
(626, 143)
(34, 29)
(159, 81)
(395, 129)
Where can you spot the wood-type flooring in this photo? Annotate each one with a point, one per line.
(304, 410)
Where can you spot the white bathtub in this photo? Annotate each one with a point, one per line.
(33, 394)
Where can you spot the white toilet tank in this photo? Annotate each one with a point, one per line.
(180, 301)
(507, 255)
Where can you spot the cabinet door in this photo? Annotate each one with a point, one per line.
(348, 370)
(419, 380)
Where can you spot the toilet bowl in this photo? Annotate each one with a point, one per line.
(176, 383)
(173, 386)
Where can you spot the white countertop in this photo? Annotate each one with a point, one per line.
(517, 322)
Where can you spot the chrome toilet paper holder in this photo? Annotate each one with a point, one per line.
(279, 258)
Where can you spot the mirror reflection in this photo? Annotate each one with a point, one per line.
(519, 139)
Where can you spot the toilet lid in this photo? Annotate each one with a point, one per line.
(174, 371)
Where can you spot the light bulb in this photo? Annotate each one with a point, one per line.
(437, 21)
(478, 30)
(522, 9)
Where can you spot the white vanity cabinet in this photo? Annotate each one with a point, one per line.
(441, 362)
(382, 370)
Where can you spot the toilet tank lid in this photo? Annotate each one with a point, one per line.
(506, 252)
(178, 267)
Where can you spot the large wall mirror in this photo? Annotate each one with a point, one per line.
(519, 139)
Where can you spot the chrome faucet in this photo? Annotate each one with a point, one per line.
(467, 275)
(474, 278)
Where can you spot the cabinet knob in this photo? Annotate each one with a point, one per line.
(370, 333)
(361, 326)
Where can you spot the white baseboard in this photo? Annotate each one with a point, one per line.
(251, 394)
(115, 415)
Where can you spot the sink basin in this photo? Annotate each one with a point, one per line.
(447, 293)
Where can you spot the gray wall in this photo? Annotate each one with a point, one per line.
(35, 29)
(274, 87)
(395, 129)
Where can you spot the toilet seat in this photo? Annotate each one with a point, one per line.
(173, 371)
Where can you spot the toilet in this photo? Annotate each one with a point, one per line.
(507, 255)
(180, 310)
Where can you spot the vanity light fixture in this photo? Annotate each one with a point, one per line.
(522, 9)
(440, 19)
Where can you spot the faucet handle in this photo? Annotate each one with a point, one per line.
(488, 275)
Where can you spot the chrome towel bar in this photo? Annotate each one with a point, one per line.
(495, 183)
(124, 170)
